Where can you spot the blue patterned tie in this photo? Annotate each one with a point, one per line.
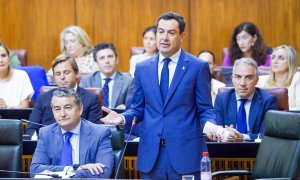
(105, 92)
(164, 79)
(66, 154)
(241, 117)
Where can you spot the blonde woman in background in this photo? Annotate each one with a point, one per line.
(75, 42)
(15, 86)
(150, 49)
(284, 63)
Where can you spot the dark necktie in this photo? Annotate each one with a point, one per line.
(105, 92)
(164, 79)
(241, 117)
(66, 154)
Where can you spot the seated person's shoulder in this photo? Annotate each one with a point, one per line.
(98, 128)
(126, 76)
(265, 94)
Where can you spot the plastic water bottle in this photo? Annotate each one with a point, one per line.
(205, 167)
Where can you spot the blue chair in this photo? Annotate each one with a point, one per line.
(37, 76)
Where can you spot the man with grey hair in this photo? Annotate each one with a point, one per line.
(245, 106)
(73, 142)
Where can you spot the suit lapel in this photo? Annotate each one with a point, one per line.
(153, 74)
(118, 84)
(254, 110)
(232, 109)
(84, 142)
(181, 69)
(57, 144)
(97, 80)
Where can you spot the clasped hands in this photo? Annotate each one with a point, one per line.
(96, 168)
(232, 135)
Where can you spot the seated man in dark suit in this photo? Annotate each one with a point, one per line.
(65, 72)
(72, 141)
(117, 88)
(245, 106)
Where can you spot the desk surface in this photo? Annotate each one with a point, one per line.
(215, 149)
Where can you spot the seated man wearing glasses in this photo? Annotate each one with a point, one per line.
(245, 106)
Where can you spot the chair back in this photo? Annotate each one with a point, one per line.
(117, 142)
(93, 90)
(136, 50)
(11, 147)
(280, 93)
(278, 155)
(22, 55)
(218, 73)
(37, 76)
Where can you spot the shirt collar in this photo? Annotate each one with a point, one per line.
(111, 77)
(76, 130)
(174, 57)
(75, 87)
(249, 98)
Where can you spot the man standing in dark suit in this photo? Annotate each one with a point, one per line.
(65, 72)
(73, 141)
(117, 88)
(245, 106)
(173, 104)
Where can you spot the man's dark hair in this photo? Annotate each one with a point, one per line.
(63, 58)
(176, 17)
(104, 45)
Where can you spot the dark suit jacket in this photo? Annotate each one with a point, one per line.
(179, 120)
(42, 111)
(94, 147)
(122, 88)
(226, 109)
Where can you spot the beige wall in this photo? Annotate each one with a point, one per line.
(36, 24)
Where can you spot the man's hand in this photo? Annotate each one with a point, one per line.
(93, 168)
(234, 135)
(2, 104)
(112, 117)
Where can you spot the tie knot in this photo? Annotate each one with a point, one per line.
(68, 135)
(107, 80)
(243, 101)
(166, 61)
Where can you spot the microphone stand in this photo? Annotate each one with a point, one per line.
(126, 143)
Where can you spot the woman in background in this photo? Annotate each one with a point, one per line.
(284, 73)
(75, 42)
(150, 49)
(209, 57)
(15, 86)
(246, 41)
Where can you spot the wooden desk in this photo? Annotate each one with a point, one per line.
(224, 156)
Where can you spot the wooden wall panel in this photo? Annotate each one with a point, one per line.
(212, 22)
(123, 21)
(35, 25)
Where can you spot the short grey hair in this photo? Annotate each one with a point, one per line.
(245, 61)
(67, 92)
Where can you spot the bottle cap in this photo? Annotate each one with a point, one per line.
(205, 154)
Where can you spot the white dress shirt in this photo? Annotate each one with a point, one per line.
(110, 85)
(172, 65)
(247, 109)
(74, 142)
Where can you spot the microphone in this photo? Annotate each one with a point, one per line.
(21, 172)
(126, 143)
(31, 122)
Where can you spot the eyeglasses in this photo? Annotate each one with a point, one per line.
(239, 78)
